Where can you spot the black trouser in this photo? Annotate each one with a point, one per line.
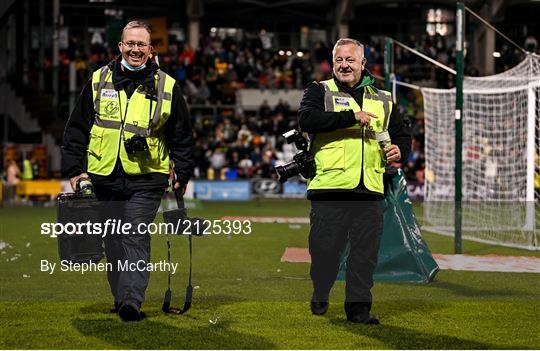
(333, 224)
(135, 207)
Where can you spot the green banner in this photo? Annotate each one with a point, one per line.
(404, 255)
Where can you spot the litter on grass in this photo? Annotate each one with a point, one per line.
(4, 245)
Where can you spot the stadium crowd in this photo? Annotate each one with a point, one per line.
(232, 143)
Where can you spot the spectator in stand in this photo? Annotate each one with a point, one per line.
(245, 168)
(264, 110)
(230, 131)
(217, 161)
(279, 125)
(200, 158)
(13, 177)
(203, 93)
(187, 56)
(243, 143)
(265, 167)
(283, 108)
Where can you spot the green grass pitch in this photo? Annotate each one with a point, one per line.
(246, 298)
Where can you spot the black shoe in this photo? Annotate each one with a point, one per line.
(318, 307)
(115, 308)
(364, 319)
(130, 310)
(358, 312)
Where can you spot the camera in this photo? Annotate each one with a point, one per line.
(135, 144)
(302, 163)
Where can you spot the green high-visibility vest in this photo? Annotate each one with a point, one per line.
(119, 118)
(343, 155)
(27, 173)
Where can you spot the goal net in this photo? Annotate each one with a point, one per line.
(501, 144)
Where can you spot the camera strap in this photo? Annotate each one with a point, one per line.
(149, 130)
(311, 138)
(189, 289)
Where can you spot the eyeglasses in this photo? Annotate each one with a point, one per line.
(132, 44)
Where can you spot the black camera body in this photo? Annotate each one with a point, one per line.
(302, 163)
(136, 144)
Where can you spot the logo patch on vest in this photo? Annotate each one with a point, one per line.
(109, 94)
(342, 101)
(111, 108)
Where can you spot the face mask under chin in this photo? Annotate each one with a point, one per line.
(130, 67)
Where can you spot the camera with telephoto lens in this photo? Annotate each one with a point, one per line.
(302, 163)
(136, 144)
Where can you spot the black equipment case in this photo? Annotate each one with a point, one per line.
(85, 247)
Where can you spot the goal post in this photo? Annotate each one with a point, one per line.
(531, 145)
(460, 26)
(500, 150)
(482, 149)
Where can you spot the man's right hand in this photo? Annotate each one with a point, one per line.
(75, 179)
(363, 118)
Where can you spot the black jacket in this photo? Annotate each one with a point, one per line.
(312, 119)
(178, 134)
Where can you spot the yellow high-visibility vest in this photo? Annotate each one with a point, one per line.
(28, 172)
(343, 155)
(119, 118)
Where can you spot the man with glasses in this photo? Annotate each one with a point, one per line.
(129, 122)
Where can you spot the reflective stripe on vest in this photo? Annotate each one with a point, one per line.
(343, 155)
(118, 118)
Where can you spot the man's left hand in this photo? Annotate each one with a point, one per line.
(392, 153)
